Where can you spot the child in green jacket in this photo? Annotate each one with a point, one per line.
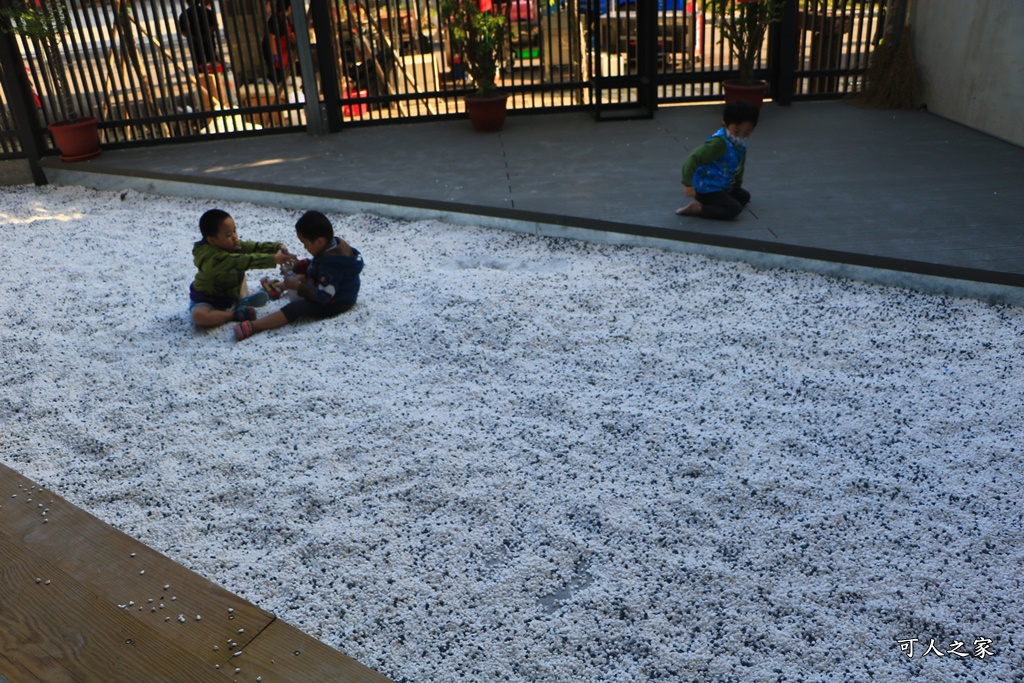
(219, 293)
(713, 173)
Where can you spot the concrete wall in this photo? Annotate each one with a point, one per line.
(971, 55)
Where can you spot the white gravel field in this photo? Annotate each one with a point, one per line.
(528, 459)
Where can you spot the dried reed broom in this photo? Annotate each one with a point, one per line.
(892, 80)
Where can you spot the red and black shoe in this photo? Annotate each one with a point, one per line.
(244, 330)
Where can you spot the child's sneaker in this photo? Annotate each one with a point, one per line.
(244, 330)
(271, 287)
(245, 313)
(256, 299)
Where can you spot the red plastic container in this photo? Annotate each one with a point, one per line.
(354, 110)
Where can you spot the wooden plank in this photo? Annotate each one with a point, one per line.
(125, 572)
(283, 653)
(101, 585)
(45, 668)
(61, 631)
(107, 589)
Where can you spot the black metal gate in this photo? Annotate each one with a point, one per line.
(149, 75)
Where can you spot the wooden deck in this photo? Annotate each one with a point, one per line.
(80, 602)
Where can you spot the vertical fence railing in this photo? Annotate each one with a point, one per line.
(834, 42)
(835, 39)
(153, 70)
(396, 60)
(10, 142)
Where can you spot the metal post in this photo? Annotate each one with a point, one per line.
(782, 49)
(315, 123)
(327, 61)
(19, 97)
(647, 55)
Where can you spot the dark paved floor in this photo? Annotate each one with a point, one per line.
(905, 198)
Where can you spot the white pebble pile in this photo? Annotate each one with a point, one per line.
(527, 459)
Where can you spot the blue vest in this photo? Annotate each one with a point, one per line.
(719, 174)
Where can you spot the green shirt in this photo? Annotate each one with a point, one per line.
(712, 149)
(221, 272)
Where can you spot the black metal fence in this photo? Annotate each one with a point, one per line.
(153, 70)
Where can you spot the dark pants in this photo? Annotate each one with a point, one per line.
(303, 308)
(723, 205)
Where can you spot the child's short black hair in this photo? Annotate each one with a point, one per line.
(210, 222)
(314, 225)
(740, 112)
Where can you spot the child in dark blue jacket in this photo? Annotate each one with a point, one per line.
(326, 284)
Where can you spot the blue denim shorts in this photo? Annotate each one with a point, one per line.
(220, 303)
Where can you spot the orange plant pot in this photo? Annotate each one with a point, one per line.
(754, 94)
(487, 114)
(77, 140)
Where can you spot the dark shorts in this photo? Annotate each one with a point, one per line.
(725, 204)
(221, 303)
(304, 308)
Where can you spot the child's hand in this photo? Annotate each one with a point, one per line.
(689, 191)
(292, 282)
(283, 256)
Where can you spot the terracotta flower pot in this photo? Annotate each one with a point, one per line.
(487, 114)
(76, 140)
(736, 91)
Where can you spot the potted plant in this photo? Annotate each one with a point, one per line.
(479, 36)
(744, 23)
(46, 22)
